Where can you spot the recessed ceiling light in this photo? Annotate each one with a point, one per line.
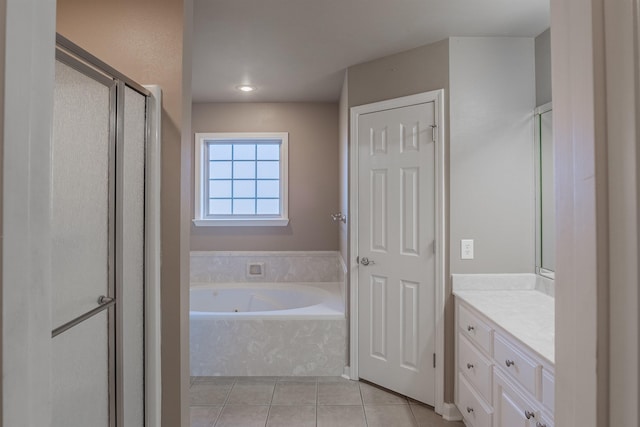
(246, 88)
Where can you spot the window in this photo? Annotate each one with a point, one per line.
(241, 179)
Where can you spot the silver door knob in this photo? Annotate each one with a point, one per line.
(366, 261)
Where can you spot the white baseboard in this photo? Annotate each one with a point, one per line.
(450, 412)
(346, 373)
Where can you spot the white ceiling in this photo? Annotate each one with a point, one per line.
(297, 50)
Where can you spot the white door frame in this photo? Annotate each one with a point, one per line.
(436, 96)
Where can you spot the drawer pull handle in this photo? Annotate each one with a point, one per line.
(539, 424)
(509, 363)
(470, 328)
(529, 414)
(469, 365)
(469, 409)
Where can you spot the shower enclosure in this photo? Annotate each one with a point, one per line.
(100, 215)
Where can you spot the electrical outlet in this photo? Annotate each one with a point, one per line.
(466, 249)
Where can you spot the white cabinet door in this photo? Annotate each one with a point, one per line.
(511, 408)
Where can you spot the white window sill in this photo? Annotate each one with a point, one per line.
(242, 222)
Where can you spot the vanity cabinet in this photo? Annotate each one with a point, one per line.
(500, 382)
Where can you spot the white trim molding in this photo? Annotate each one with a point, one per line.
(450, 412)
(28, 28)
(437, 97)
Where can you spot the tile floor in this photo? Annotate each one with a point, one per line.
(302, 402)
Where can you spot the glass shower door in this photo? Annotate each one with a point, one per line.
(83, 235)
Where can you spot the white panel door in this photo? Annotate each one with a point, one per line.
(396, 238)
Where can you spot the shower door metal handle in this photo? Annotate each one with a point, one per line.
(104, 300)
(104, 303)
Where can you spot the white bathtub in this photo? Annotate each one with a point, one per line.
(278, 329)
(272, 300)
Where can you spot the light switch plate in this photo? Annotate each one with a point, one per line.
(466, 249)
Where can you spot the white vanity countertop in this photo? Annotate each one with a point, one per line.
(525, 313)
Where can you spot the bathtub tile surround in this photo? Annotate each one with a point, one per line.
(268, 347)
(306, 403)
(306, 341)
(226, 267)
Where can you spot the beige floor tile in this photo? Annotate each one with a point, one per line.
(251, 393)
(257, 380)
(290, 393)
(372, 395)
(243, 416)
(426, 417)
(389, 415)
(208, 394)
(297, 379)
(204, 416)
(292, 416)
(214, 380)
(339, 393)
(341, 416)
(334, 380)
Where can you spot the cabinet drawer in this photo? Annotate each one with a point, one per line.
(474, 411)
(548, 390)
(475, 329)
(475, 367)
(520, 367)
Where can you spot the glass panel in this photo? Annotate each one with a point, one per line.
(244, 170)
(244, 152)
(268, 207)
(244, 189)
(132, 261)
(220, 207)
(220, 151)
(220, 170)
(548, 205)
(244, 207)
(269, 152)
(268, 188)
(80, 194)
(80, 375)
(268, 170)
(219, 188)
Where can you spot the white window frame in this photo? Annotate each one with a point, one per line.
(201, 163)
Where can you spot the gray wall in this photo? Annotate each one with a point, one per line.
(543, 67)
(313, 175)
(414, 71)
(491, 161)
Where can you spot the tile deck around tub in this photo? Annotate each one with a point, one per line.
(303, 402)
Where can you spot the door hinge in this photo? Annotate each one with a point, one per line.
(358, 259)
(433, 132)
(434, 360)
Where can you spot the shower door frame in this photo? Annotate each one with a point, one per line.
(72, 55)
